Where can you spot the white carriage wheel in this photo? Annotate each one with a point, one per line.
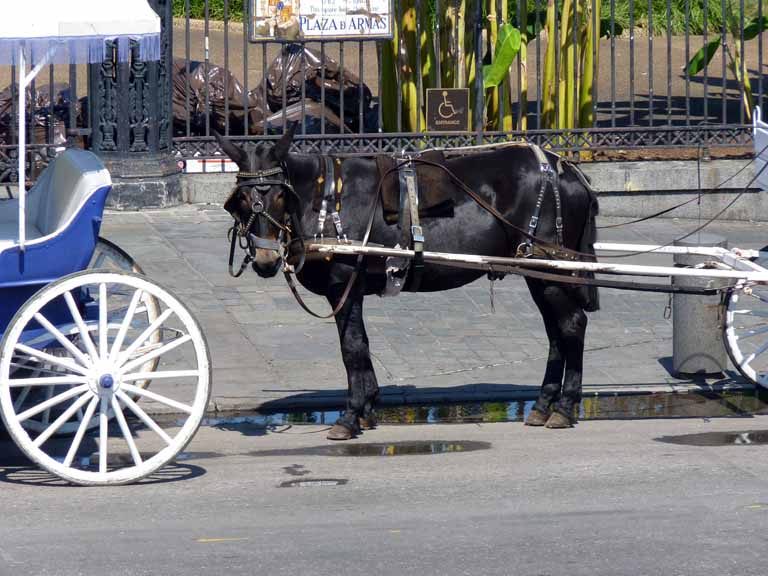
(745, 332)
(153, 436)
(107, 256)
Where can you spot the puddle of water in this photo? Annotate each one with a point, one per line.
(695, 404)
(749, 438)
(386, 449)
(313, 483)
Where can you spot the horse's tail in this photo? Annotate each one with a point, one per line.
(589, 294)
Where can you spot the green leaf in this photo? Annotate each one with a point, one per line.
(754, 27)
(507, 47)
(703, 57)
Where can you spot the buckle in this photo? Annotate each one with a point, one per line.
(559, 223)
(417, 234)
(534, 222)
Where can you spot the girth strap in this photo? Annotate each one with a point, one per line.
(412, 232)
(331, 198)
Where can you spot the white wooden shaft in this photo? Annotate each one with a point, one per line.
(499, 264)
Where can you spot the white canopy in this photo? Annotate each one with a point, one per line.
(42, 26)
(37, 32)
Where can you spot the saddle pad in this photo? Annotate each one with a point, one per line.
(435, 187)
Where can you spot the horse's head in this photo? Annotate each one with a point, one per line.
(263, 199)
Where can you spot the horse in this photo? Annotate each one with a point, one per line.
(276, 193)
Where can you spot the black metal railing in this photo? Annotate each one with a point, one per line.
(642, 95)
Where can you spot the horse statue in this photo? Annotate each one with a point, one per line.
(500, 205)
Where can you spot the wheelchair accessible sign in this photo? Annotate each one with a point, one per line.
(448, 109)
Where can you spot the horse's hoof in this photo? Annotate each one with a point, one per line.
(557, 420)
(536, 418)
(340, 432)
(367, 423)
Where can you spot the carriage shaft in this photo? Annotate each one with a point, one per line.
(753, 273)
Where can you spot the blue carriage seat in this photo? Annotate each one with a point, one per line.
(63, 216)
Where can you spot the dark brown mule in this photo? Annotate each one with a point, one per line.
(509, 179)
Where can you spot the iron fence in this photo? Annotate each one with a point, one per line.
(217, 80)
(642, 95)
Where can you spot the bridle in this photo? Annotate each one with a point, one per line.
(241, 233)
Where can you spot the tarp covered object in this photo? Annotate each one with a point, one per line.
(297, 65)
(222, 86)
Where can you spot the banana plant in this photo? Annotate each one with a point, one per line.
(736, 63)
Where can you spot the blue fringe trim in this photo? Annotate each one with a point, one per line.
(77, 50)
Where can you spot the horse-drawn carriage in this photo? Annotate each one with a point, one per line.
(84, 332)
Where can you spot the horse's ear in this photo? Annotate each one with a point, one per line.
(283, 145)
(235, 153)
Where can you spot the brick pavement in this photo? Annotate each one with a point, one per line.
(445, 346)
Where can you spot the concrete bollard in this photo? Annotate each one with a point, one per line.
(697, 342)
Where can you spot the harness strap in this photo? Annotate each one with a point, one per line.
(331, 197)
(548, 176)
(412, 232)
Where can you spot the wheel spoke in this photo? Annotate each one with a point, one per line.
(756, 353)
(157, 397)
(156, 353)
(61, 420)
(19, 402)
(750, 312)
(52, 401)
(136, 409)
(46, 419)
(65, 363)
(752, 332)
(103, 433)
(46, 381)
(63, 340)
(124, 326)
(73, 448)
(161, 374)
(151, 329)
(85, 335)
(126, 431)
(103, 318)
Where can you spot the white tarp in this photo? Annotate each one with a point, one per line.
(80, 25)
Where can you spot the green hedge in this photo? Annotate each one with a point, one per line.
(621, 11)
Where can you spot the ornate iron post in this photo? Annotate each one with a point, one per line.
(130, 108)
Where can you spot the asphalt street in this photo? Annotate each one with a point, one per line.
(606, 498)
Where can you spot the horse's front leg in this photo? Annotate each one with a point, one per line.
(362, 387)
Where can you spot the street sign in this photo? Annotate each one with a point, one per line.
(272, 20)
(447, 109)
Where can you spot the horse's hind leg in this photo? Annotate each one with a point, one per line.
(362, 387)
(571, 321)
(553, 375)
